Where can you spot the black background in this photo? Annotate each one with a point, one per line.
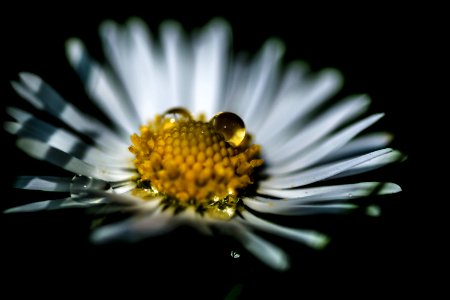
(378, 51)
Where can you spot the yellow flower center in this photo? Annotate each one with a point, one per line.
(195, 163)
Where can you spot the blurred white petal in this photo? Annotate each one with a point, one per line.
(321, 172)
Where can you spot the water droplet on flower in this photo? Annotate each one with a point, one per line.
(81, 183)
(234, 254)
(176, 114)
(230, 126)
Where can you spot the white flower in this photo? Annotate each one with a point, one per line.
(144, 79)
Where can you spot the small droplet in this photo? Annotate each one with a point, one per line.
(81, 183)
(234, 254)
(373, 211)
(176, 114)
(230, 126)
(350, 195)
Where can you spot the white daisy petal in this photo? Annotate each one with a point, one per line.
(179, 63)
(294, 74)
(344, 111)
(122, 199)
(251, 88)
(311, 156)
(116, 203)
(124, 187)
(359, 145)
(101, 88)
(201, 223)
(235, 84)
(61, 159)
(43, 183)
(332, 192)
(305, 98)
(135, 229)
(375, 163)
(320, 172)
(115, 45)
(32, 97)
(66, 142)
(54, 205)
(268, 253)
(44, 97)
(308, 237)
(210, 63)
(262, 82)
(137, 62)
(288, 209)
(292, 78)
(149, 83)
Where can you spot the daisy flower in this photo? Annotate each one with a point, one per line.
(200, 137)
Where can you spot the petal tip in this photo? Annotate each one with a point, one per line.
(321, 242)
(74, 50)
(107, 26)
(32, 81)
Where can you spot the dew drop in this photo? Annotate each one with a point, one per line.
(350, 195)
(81, 183)
(230, 126)
(176, 114)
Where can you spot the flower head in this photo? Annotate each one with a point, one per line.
(200, 137)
